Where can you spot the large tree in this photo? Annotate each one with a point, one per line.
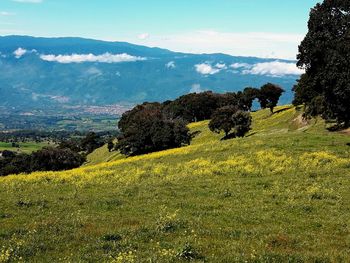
(146, 129)
(325, 55)
(232, 121)
(269, 96)
(221, 120)
(192, 107)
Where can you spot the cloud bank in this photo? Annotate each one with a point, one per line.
(19, 52)
(207, 69)
(257, 44)
(240, 65)
(275, 69)
(81, 58)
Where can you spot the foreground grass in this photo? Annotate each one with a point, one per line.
(279, 195)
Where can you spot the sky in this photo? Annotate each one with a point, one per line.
(262, 28)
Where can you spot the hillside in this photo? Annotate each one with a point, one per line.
(51, 73)
(281, 194)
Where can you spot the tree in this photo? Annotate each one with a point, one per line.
(72, 144)
(54, 159)
(228, 119)
(269, 96)
(146, 129)
(249, 94)
(193, 107)
(304, 91)
(91, 142)
(242, 122)
(221, 120)
(110, 145)
(325, 55)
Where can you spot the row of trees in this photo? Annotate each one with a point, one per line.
(325, 56)
(200, 106)
(69, 154)
(85, 144)
(157, 126)
(46, 159)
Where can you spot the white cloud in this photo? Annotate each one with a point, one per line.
(19, 52)
(257, 44)
(170, 65)
(94, 71)
(143, 36)
(81, 58)
(4, 13)
(240, 65)
(28, 1)
(206, 69)
(196, 88)
(274, 68)
(221, 66)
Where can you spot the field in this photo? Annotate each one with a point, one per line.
(25, 147)
(281, 194)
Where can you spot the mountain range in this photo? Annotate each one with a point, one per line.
(37, 73)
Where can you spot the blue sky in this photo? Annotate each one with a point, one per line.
(265, 28)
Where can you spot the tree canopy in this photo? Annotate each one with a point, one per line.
(146, 129)
(228, 119)
(325, 55)
(269, 95)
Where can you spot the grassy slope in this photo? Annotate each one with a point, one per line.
(280, 194)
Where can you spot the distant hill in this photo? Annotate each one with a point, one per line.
(55, 72)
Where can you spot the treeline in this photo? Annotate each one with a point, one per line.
(44, 136)
(46, 159)
(157, 126)
(68, 154)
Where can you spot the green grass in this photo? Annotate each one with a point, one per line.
(102, 155)
(281, 194)
(25, 147)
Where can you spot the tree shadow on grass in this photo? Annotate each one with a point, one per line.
(282, 110)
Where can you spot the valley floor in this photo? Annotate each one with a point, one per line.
(281, 194)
